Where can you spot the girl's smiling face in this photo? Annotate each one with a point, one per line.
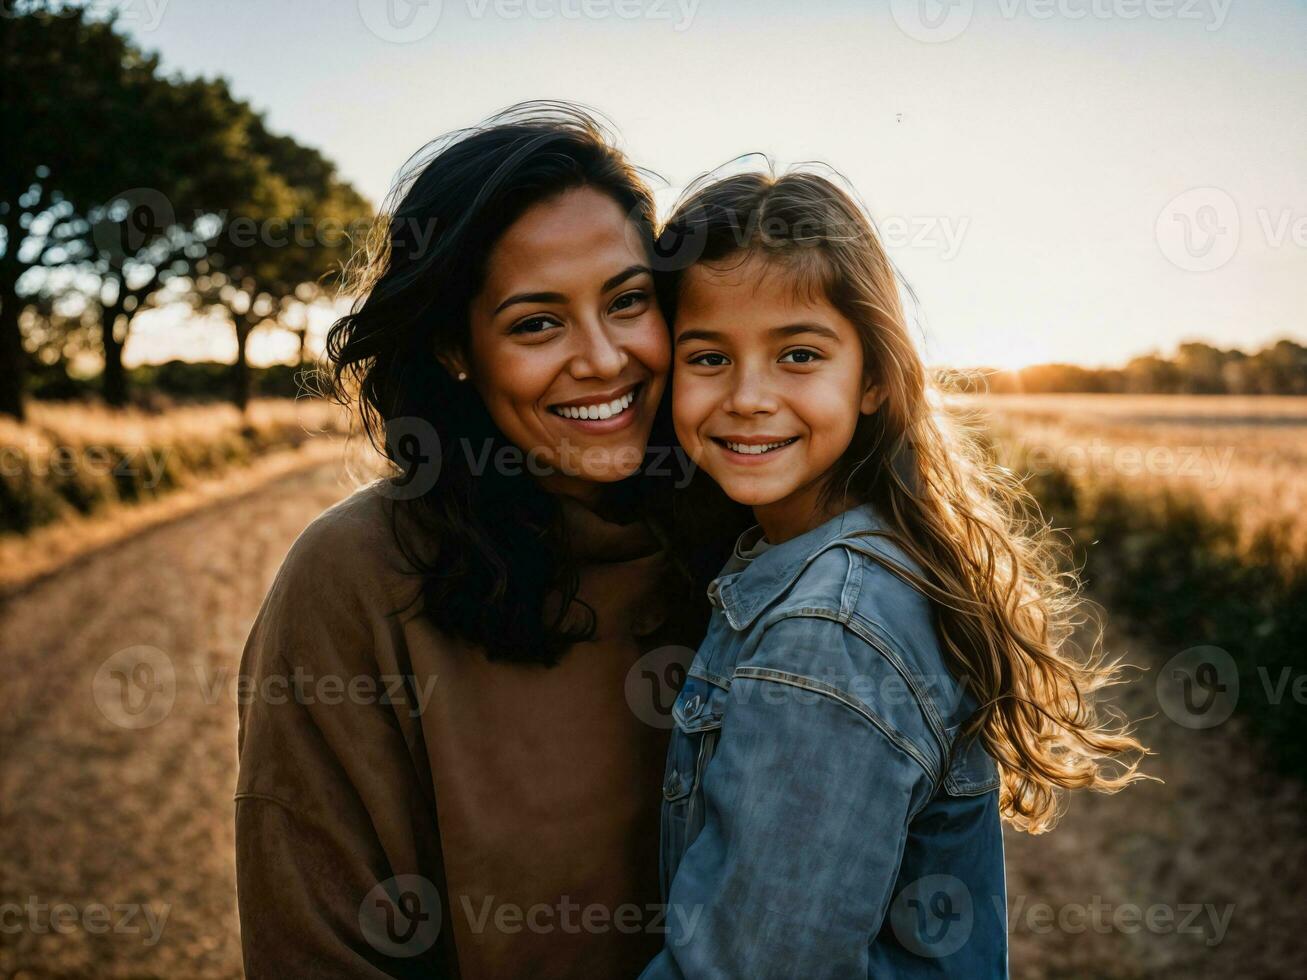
(768, 387)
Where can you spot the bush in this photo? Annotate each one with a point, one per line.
(1182, 572)
(77, 459)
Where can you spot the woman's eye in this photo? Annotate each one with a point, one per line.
(708, 359)
(536, 324)
(800, 357)
(629, 300)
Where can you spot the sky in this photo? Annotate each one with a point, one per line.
(1069, 180)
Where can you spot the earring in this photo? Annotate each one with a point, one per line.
(462, 375)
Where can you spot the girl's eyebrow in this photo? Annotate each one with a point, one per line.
(788, 330)
(791, 329)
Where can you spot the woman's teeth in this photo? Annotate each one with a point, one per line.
(605, 410)
(754, 450)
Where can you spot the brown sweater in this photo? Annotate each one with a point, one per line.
(356, 720)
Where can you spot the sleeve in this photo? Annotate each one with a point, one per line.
(807, 801)
(337, 850)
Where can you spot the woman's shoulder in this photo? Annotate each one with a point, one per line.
(349, 546)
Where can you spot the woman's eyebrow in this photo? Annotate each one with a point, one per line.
(629, 272)
(611, 282)
(530, 298)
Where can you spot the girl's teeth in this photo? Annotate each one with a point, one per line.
(605, 411)
(754, 450)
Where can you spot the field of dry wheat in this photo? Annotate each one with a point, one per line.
(1242, 457)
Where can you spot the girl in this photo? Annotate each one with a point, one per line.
(888, 670)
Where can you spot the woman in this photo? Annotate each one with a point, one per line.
(458, 639)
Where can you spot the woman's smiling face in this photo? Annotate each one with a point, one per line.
(568, 348)
(768, 389)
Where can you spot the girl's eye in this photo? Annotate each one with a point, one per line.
(800, 357)
(628, 301)
(709, 359)
(535, 324)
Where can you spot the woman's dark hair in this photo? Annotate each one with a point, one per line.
(493, 560)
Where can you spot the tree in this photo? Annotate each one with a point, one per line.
(149, 238)
(70, 84)
(281, 247)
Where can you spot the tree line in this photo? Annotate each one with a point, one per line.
(1196, 369)
(124, 189)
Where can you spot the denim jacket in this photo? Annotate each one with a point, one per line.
(821, 818)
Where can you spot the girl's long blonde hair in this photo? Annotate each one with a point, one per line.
(1008, 608)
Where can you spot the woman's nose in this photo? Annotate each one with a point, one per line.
(599, 354)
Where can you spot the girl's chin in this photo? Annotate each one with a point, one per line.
(749, 492)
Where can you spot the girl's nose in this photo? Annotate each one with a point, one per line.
(751, 395)
(599, 354)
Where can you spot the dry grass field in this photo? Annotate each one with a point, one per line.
(70, 459)
(1243, 456)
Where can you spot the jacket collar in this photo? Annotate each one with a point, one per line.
(745, 589)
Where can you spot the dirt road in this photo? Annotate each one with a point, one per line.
(116, 841)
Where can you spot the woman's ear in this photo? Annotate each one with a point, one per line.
(872, 398)
(454, 363)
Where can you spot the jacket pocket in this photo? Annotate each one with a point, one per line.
(698, 720)
(972, 770)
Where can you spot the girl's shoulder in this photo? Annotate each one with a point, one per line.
(859, 569)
